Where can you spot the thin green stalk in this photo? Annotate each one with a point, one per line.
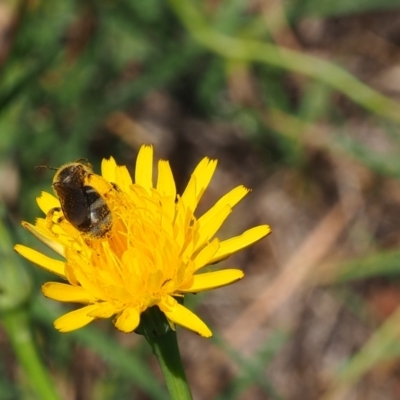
(165, 348)
(253, 50)
(16, 324)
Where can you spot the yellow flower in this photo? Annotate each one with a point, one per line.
(153, 253)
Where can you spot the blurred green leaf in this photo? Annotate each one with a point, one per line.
(379, 264)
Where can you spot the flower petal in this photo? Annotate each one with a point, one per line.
(42, 235)
(189, 198)
(203, 174)
(233, 245)
(75, 319)
(128, 320)
(206, 254)
(198, 182)
(144, 168)
(230, 199)
(108, 167)
(208, 230)
(182, 316)
(103, 310)
(212, 220)
(47, 201)
(47, 263)
(213, 280)
(65, 292)
(123, 178)
(165, 181)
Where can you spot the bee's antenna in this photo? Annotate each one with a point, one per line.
(41, 167)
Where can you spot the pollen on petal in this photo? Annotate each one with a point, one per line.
(75, 319)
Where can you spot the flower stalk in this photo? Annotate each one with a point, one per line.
(163, 341)
(165, 348)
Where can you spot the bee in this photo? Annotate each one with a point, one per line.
(81, 204)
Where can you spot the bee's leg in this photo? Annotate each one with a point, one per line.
(58, 225)
(53, 217)
(115, 187)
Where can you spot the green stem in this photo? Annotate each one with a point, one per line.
(165, 348)
(16, 324)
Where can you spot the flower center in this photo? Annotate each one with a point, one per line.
(140, 262)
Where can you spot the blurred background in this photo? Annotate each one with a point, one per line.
(298, 100)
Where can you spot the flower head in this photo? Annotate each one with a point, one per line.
(152, 254)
